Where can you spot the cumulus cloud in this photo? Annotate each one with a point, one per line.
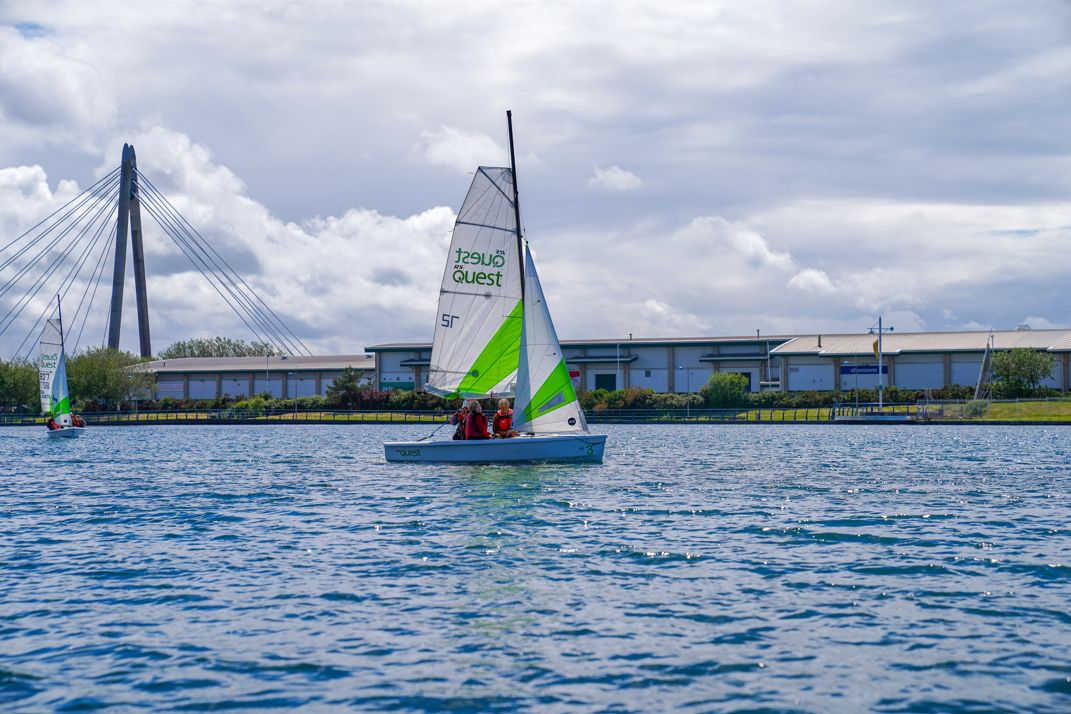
(459, 150)
(614, 178)
(778, 193)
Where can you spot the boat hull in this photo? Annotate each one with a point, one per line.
(583, 448)
(68, 432)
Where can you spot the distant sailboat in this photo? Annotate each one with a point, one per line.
(494, 337)
(52, 369)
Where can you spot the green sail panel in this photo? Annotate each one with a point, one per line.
(546, 401)
(498, 360)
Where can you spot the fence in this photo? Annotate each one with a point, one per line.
(946, 411)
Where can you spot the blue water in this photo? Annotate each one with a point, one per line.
(720, 568)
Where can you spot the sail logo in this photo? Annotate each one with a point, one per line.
(464, 274)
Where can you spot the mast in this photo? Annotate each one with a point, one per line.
(516, 200)
(59, 313)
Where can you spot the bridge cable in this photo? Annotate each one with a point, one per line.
(191, 230)
(197, 254)
(50, 269)
(58, 240)
(92, 188)
(197, 263)
(72, 275)
(68, 280)
(94, 280)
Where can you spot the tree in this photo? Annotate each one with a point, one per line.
(217, 347)
(105, 375)
(19, 384)
(346, 390)
(725, 389)
(1018, 372)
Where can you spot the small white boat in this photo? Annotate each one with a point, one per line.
(66, 432)
(579, 448)
(52, 371)
(494, 337)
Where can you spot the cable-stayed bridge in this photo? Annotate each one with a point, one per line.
(68, 252)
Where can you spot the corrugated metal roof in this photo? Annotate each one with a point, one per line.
(610, 342)
(903, 342)
(253, 364)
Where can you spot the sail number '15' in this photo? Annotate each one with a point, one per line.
(448, 320)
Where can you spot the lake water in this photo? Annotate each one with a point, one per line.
(710, 568)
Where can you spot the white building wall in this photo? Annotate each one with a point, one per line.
(653, 378)
(805, 374)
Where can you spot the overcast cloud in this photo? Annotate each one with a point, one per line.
(685, 168)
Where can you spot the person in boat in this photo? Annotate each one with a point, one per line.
(502, 421)
(459, 418)
(77, 420)
(52, 425)
(476, 423)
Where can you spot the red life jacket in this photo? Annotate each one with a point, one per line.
(503, 422)
(476, 427)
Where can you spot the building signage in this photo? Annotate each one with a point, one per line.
(850, 369)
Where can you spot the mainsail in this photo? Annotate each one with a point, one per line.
(52, 368)
(546, 401)
(479, 322)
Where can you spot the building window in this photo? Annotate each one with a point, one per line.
(606, 381)
(647, 373)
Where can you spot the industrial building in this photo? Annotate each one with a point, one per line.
(921, 360)
(283, 377)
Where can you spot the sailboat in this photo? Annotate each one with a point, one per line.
(52, 369)
(494, 337)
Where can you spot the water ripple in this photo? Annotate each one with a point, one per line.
(718, 568)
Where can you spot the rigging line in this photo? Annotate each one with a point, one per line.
(235, 303)
(41, 281)
(92, 188)
(192, 259)
(100, 200)
(152, 205)
(95, 281)
(71, 276)
(191, 230)
(84, 207)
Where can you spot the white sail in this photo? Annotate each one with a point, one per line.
(546, 401)
(52, 370)
(479, 321)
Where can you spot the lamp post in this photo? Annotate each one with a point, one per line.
(294, 397)
(880, 331)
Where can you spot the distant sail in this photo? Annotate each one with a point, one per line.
(479, 320)
(52, 370)
(546, 401)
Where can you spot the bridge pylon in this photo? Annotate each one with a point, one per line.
(129, 217)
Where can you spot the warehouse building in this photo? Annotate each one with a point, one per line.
(923, 360)
(284, 377)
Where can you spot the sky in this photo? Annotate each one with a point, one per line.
(685, 169)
